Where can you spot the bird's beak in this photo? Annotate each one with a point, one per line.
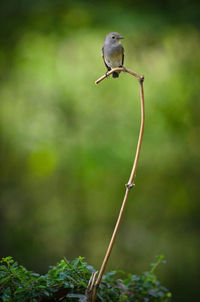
(121, 37)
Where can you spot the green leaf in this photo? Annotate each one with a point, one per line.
(4, 280)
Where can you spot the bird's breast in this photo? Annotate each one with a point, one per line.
(113, 56)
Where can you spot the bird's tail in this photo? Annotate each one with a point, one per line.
(115, 74)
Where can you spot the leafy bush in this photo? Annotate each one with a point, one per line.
(67, 281)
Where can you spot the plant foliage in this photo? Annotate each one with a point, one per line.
(67, 281)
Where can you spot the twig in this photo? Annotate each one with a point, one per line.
(119, 69)
(94, 283)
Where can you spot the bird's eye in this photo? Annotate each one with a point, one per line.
(113, 37)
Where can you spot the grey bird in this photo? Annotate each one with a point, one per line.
(113, 52)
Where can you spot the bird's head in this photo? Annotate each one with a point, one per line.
(113, 38)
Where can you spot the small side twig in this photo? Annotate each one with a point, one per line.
(94, 282)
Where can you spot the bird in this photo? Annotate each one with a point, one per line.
(113, 52)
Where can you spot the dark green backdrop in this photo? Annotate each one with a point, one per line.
(67, 146)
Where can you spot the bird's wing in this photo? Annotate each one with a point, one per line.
(122, 55)
(104, 59)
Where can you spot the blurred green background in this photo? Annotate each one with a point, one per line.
(67, 146)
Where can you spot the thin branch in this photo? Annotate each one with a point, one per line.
(140, 78)
(94, 283)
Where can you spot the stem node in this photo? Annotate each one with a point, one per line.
(130, 186)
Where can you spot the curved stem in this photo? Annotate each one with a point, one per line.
(130, 183)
